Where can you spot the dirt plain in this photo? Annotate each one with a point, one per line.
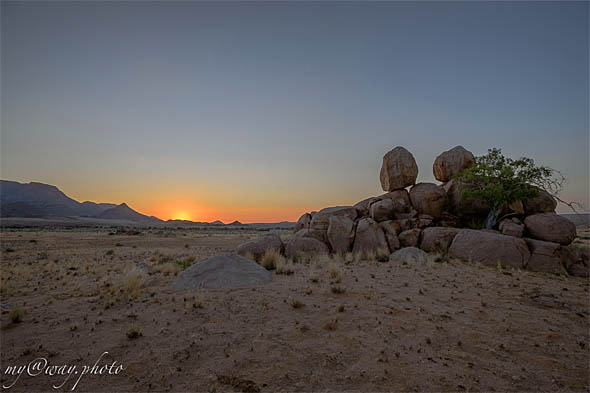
(341, 325)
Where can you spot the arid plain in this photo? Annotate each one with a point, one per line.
(69, 295)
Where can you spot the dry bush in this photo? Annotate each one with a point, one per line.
(132, 284)
(16, 314)
(296, 303)
(382, 254)
(314, 275)
(283, 266)
(269, 259)
(168, 268)
(335, 272)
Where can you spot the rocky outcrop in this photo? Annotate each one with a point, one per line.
(545, 257)
(428, 198)
(451, 162)
(258, 246)
(399, 169)
(409, 255)
(222, 271)
(369, 237)
(364, 205)
(489, 248)
(550, 227)
(576, 260)
(340, 233)
(542, 203)
(304, 247)
(410, 238)
(321, 220)
(438, 239)
(511, 227)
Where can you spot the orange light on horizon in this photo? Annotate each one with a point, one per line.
(181, 215)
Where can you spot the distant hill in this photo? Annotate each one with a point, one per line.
(42, 200)
(124, 212)
(217, 223)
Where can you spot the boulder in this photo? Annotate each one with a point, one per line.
(303, 233)
(542, 203)
(298, 247)
(489, 248)
(399, 169)
(409, 255)
(545, 256)
(222, 271)
(321, 220)
(576, 260)
(511, 227)
(303, 222)
(550, 227)
(258, 246)
(340, 233)
(407, 223)
(451, 162)
(382, 210)
(369, 237)
(391, 230)
(364, 205)
(428, 198)
(424, 221)
(469, 207)
(438, 238)
(400, 198)
(404, 216)
(410, 238)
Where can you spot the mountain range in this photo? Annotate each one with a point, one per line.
(44, 200)
(39, 200)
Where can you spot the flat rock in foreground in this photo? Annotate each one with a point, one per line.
(222, 271)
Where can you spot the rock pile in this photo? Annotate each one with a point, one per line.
(435, 218)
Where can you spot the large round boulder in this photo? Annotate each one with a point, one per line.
(391, 230)
(489, 248)
(399, 169)
(451, 162)
(222, 271)
(410, 238)
(428, 198)
(438, 238)
(258, 246)
(550, 227)
(542, 203)
(304, 247)
(369, 237)
(545, 256)
(340, 233)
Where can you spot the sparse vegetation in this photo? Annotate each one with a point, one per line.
(133, 333)
(283, 266)
(8, 249)
(16, 314)
(337, 289)
(296, 303)
(269, 259)
(335, 272)
(382, 254)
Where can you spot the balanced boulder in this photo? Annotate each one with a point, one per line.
(399, 169)
(489, 248)
(222, 271)
(369, 237)
(451, 162)
(428, 198)
(340, 233)
(438, 238)
(550, 227)
(258, 246)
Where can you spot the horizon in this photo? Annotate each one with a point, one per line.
(260, 112)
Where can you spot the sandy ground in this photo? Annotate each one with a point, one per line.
(442, 326)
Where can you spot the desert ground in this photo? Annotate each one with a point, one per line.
(339, 324)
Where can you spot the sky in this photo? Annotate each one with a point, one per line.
(262, 111)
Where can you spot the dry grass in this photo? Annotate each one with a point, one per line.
(16, 314)
(269, 259)
(382, 254)
(335, 272)
(283, 266)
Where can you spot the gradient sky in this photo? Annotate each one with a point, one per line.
(262, 111)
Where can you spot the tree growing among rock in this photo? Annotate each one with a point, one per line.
(502, 181)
